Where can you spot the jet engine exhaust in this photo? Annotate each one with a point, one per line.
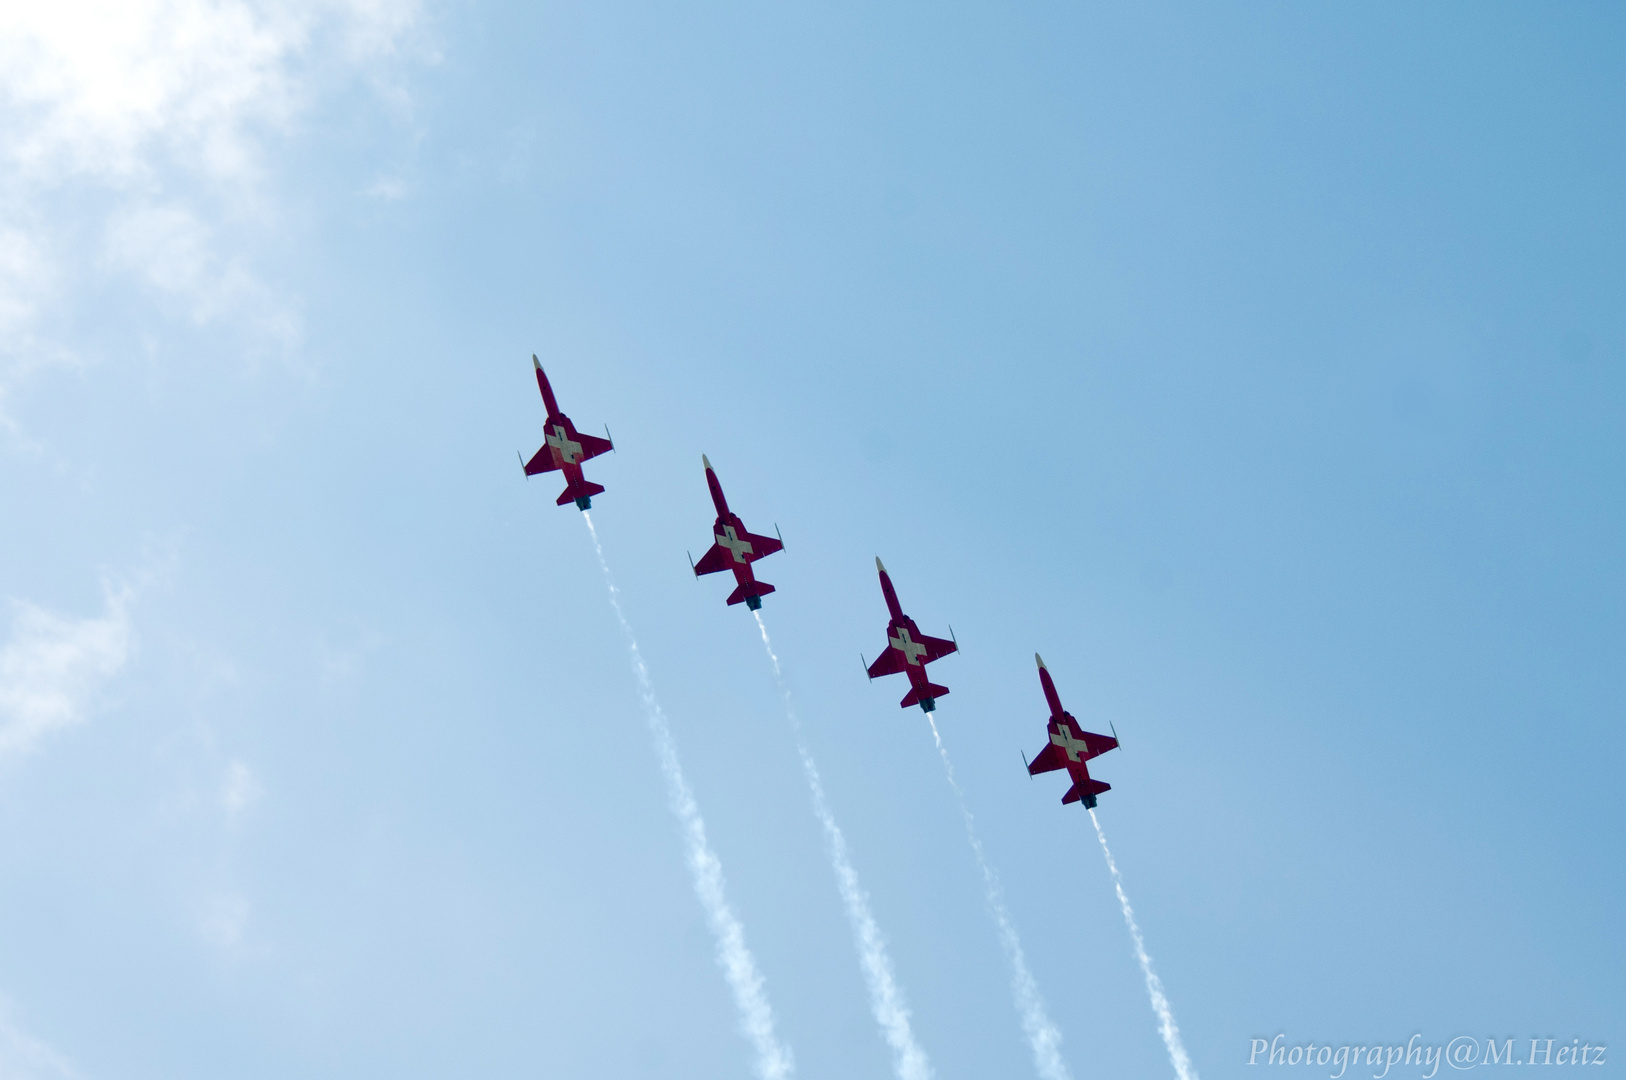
(1042, 1034)
(886, 1000)
(773, 1059)
(1154, 986)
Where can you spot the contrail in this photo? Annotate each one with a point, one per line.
(885, 999)
(1043, 1035)
(1154, 985)
(733, 956)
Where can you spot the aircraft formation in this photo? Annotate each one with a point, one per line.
(908, 651)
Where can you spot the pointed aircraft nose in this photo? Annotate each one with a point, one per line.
(535, 362)
(706, 462)
(1039, 658)
(878, 565)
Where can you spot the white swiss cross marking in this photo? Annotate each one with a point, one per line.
(565, 449)
(739, 548)
(1069, 745)
(912, 650)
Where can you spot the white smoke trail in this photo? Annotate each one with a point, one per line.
(886, 1000)
(1154, 985)
(1043, 1035)
(733, 956)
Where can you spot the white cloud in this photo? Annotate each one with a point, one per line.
(28, 279)
(170, 250)
(387, 189)
(223, 911)
(343, 658)
(22, 269)
(158, 118)
(23, 1057)
(225, 917)
(52, 667)
(239, 789)
(94, 84)
(97, 86)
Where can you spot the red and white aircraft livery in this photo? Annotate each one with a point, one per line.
(566, 449)
(1070, 747)
(909, 651)
(735, 549)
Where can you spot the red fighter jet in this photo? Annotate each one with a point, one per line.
(1070, 747)
(909, 651)
(735, 549)
(566, 449)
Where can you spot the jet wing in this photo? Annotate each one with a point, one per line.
(592, 446)
(1069, 744)
(715, 559)
(1097, 744)
(936, 648)
(888, 663)
(1049, 759)
(541, 462)
(762, 546)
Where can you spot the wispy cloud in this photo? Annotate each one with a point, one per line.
(22, 266)
(93, 86)
(239, 789)
(387, 189)
(104, 88)
(224, 918)
(223, 910)
(52, 667)
(172, 251)
(157, 119)
(23, 1057)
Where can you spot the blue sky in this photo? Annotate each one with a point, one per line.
(1260, 365)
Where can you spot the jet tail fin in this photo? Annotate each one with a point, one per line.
(914, 696)
(751, 589)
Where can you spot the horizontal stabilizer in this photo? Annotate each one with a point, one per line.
(742, 593)
(914, 695)
(581, 489)
(1090, 787)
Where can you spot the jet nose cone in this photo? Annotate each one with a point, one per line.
(1040, 659)
(706, 462)
(535, 362)
(878, 565)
